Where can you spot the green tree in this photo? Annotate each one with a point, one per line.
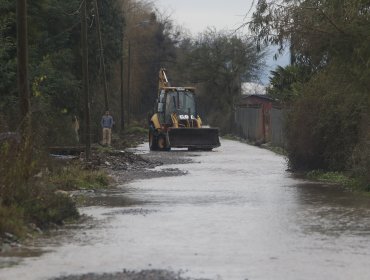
(8, 66)
(55, 62)
(286, 82)
(326, 122)
(218, 63)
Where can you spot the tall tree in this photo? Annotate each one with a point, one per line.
(332, 39)
(22, 51)
(286, 82)
(217, 63)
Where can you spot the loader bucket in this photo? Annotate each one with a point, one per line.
(196, 138)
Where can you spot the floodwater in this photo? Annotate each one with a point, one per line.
(236, 214)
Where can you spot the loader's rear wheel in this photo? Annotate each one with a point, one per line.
(153, 142)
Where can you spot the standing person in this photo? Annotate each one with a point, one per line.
(107, 123)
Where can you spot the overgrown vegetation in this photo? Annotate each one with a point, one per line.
(33, 191)
(26, 201)
(330, 177)
(327, 87)
(340, 178)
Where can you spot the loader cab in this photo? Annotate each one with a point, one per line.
(176, 100)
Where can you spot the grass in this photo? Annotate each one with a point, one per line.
(136, 130)
(76, 177)
(329, 177)
(340, 178)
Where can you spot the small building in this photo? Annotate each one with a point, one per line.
(252, 116)
(259, 117)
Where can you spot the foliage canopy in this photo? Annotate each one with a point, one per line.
(329, 117)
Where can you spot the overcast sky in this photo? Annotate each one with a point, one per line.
(197, 15)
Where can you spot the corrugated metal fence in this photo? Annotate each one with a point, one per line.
(249, 122)
(254, 124)
(277, 127)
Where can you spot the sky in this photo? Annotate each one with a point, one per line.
(196, 15)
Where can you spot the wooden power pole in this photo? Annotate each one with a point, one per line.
(122, 98)
(85, 79)
(22, 54)
(128, 82)
(102, 62)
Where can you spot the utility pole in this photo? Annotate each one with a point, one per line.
(102, 63)
(22, 55)
(85, 79)
(122, 90)
(128, 81)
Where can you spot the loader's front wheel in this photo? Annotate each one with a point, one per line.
(153, 142)
(161, 142)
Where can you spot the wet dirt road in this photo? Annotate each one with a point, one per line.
(236, 214)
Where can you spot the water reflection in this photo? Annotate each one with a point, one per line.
(332, 210)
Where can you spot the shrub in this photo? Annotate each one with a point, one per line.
(323, 125)
(46, 207)
(23, 198)
(11, 220)
(361, 156)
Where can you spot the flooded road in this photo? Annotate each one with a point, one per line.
(236, 214)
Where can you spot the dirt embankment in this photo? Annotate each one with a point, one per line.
(125, 163)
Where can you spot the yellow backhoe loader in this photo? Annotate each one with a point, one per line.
(176, 123)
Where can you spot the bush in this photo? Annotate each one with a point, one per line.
(24, 199)
(323, 125)
(11, 220)
(361, 156)
(46, 207)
